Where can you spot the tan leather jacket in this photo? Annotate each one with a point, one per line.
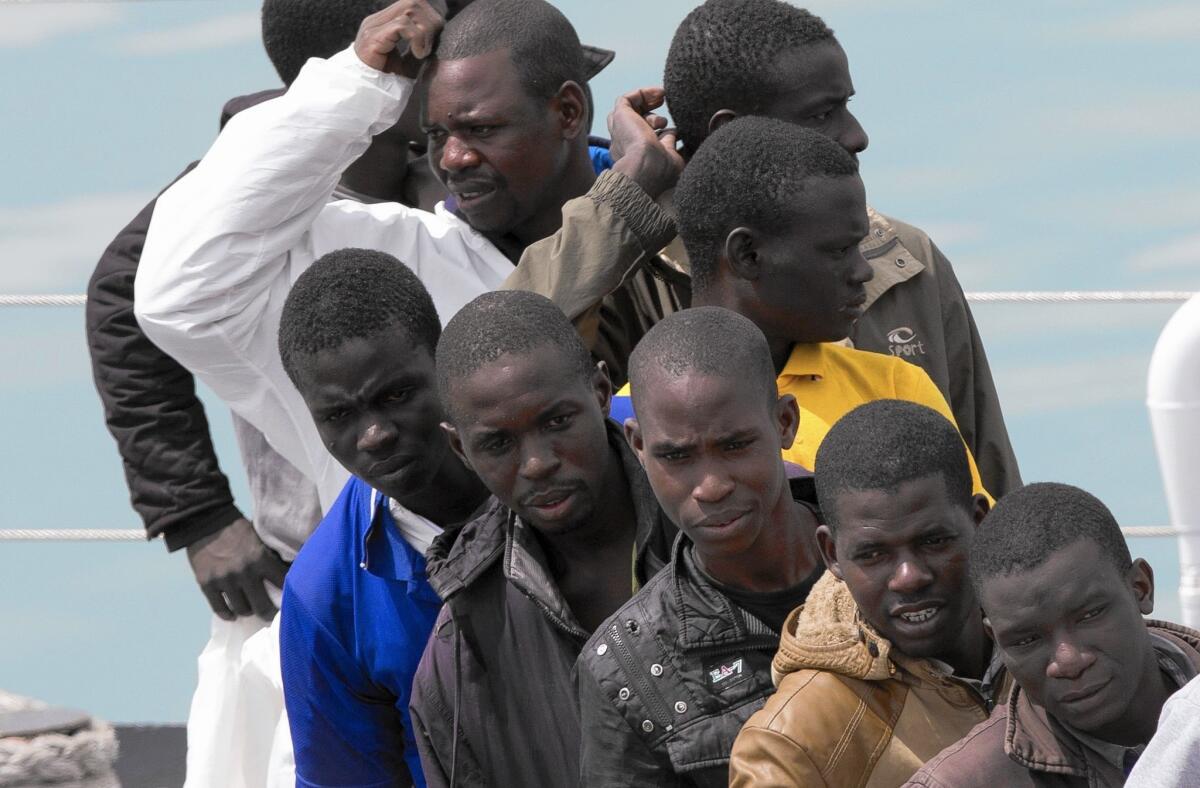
(848, 709)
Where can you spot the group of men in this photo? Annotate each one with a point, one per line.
(657, 460)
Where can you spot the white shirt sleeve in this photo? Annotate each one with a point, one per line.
(228, 240)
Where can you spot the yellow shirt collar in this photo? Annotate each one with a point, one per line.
(805, 361)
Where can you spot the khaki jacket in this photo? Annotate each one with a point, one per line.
(627, 269)
(848, 709)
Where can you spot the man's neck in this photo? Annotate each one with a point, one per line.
(379, 174)
(575, 183)
(783, 557)
(452, 495)
(723, 294)
(613, 524)
(971, 653)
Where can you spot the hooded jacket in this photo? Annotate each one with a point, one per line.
(668, 680)
(849, 709)
(493, 701)
(1022, 746)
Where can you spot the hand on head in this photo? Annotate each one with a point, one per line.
(642, 145)
(414, 21)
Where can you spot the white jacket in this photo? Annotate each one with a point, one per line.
(229, 240)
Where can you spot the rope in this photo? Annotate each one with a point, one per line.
(84, 758)
(42, 300)
(994, 297)
(73, 535)
(1081, 297)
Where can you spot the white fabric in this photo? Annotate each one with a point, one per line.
(230, 238)
(416, 530)
(1172, 758)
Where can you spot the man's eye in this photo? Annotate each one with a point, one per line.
(821, 117)
(496, 445)
(937, 541)
(399, 395)
(334, 416)
(673, 456)
(482, 131)
(868, 556)
(1028, 640)
(436, 135)
(737, 445)
(1093, 613)
(559, 422)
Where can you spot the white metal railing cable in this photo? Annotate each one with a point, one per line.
(989, 297)
(993, 297)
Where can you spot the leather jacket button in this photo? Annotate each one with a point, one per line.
(602, 649)
(647, 726)
(624, 693)
(656, 669)
(680, 707)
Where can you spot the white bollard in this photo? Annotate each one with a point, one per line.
(1173, 397)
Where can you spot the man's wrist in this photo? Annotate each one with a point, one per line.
(188, 532)
(653, 226)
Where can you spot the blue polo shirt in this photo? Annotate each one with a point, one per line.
(356, 614)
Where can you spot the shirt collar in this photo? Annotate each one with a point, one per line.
(806, 361)
(382, 551)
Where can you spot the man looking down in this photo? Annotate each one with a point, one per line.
(1065, 603)
(357, 336)
(771, 214)
(572, 528)
(731, 58)
(888, 661)
(667, 681)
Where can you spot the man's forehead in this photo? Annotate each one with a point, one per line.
(671, 403)
(485, 82)
(893, 515)
(1051, 590)
(519, 379)
(814, 70)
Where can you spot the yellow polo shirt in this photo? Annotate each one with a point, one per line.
(828, 381)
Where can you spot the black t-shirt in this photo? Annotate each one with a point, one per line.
(772, 607)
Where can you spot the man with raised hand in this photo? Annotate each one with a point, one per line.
(667, 681)
(572, 529)
(357, 337)
(766, 57)
(888, 661)
(1065, 604)
(505, 107)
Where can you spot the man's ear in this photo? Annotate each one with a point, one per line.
(741, 253)
(980, 509)
(602, 386)
(987, 627)
(455, 442)
(571, 105)
(827, 543)
(787, 416)
(633, 436)
(1141, 582)
(720, 118)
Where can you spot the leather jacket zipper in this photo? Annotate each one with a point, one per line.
(637, 674)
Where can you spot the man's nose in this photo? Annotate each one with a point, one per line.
(378, 435)
(457, 155)
(909, 577)
(538, 462)
(853, 136)
(861, 271)
(712, 488)
(1069, 661)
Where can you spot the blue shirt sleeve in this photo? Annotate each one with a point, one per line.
(345, 729)
(601, 158)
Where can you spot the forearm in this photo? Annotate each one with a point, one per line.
(606, 235)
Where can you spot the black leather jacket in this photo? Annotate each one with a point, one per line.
(668, 680)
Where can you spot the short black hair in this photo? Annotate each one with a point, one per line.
(353, 294)
(542, 43)
(711, 340)
(749, 172)
(504, 322)
(722, 57)
(295, 30)
(885, 443)
(1031, 523)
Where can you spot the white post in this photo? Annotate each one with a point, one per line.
(1173, 397)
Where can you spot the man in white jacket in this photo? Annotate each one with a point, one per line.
(508, 136)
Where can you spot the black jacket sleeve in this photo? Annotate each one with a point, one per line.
(151, 408)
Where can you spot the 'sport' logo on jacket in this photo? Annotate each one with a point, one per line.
(904, 343)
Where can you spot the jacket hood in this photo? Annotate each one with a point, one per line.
(827, 633)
